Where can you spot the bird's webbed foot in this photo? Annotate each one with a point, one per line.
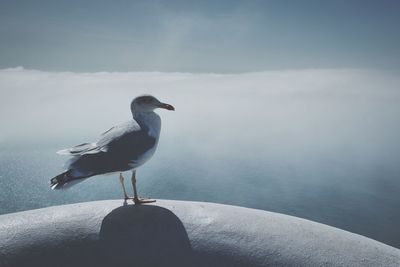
(139, 200)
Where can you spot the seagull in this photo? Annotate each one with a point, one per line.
(122, 148)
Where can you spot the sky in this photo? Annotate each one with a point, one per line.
(294, 104)
(199, 36)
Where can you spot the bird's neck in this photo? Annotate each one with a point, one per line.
(149, 120)
(143, 115)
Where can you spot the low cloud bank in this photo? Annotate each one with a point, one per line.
(306, 107)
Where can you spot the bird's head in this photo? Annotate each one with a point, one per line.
(146, 103)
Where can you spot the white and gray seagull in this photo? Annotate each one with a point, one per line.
(121, 148)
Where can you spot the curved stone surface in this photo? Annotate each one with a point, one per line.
(179, 233)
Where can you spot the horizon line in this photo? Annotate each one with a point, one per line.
(23, 69)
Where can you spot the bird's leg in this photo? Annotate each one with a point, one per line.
(133, 179)
(136, 198)
(121, 179)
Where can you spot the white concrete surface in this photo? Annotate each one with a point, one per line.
(179, 233)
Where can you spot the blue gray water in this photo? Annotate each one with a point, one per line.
(326, 150)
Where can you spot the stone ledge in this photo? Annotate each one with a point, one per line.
(179, 233)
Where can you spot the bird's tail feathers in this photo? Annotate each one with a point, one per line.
(60, 180)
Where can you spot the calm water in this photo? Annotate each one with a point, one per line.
(331, 155)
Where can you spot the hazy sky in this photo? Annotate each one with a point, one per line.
(199, 36)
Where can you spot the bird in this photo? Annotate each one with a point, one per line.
(124, 147)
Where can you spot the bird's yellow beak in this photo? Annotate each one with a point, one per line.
(167, 106)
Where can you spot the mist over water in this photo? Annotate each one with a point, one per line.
(318, 144)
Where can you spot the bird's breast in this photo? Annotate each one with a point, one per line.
(134, 163)
(151, 125)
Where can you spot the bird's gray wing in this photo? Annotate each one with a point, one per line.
(109, 136)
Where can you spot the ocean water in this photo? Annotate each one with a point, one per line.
(321, 145)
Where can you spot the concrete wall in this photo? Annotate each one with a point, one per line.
(179, 233)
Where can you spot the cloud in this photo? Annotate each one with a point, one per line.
(314, 106)
(19, 68)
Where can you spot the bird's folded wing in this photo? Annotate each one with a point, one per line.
(106, 139)
(79, 149)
